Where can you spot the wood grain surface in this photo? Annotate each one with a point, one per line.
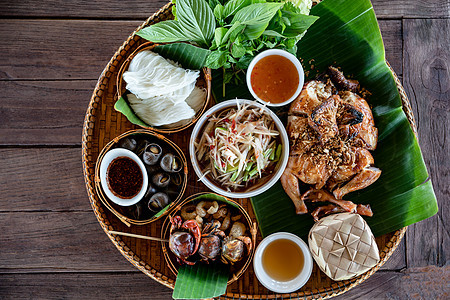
(51, 245)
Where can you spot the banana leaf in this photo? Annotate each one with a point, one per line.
(201, 281)
(187, 55)
(347, 35)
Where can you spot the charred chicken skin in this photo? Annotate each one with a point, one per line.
(331, 130)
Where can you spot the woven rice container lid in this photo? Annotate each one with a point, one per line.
(343, 246)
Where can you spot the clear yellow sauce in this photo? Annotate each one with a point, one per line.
(283, 260)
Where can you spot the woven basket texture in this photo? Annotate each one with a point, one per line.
(102, 124)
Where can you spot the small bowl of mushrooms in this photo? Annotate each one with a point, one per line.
(209, 228)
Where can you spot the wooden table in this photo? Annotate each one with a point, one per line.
(52, 246)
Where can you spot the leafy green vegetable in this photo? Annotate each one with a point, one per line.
(216, 59)
(235, 30)
(194, 22)
(197, 20)
(257, 14)
(233, 6)
(163, 32)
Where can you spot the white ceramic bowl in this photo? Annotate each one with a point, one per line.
(106, 161)
(292, 58)
(283, 287)
(279, 168)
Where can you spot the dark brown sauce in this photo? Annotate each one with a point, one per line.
(124, 177)
(274, 79)
(283, 260)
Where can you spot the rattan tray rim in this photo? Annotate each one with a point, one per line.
(335, 289)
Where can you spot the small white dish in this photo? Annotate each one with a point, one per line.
(106, 161)
(292, 58)
(253, 192)
(283, 287)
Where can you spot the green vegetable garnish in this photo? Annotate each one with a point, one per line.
(235, 30)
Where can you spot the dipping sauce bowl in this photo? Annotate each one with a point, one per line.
(294, 261)
(275, 77)
(107, 160)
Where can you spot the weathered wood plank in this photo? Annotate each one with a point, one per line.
(82, 286)
(397, 261)
(42, 180)
(43, 112)
(411, 9)
(56, 49)
(141, 9)
(419, 283)
(56, 242)
(427, 82)
(391, 30)
(51, 49)
(129, 9)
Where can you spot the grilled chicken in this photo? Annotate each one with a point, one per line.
(331, 131)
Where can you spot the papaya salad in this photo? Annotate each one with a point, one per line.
(239, 146)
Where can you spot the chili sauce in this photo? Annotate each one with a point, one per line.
(274, 79)
(124, 177)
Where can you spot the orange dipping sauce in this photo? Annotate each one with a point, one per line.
(274, 79)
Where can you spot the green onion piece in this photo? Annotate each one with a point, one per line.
(245, 178)
(235, 175)
(249, 166)
(253, 172)
(278, 153)
(272, 154)
(268, 152)
(231, 169)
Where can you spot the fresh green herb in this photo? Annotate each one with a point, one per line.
(195, 22)
(235, 30)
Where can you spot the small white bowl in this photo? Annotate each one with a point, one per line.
(106, 161)
(283, 287)
(281, 164)
(292, 58)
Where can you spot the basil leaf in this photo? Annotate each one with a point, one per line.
(218, 12)
(216, 59)
(237, 50)
(269, 44)
(273, 33)
(197, 20)
(299, 23)
(233, 32)
(219, 33)
(213, 3)
(255, 31)
(257, 14)
(244, 62)
(163, 32)
(232, 7)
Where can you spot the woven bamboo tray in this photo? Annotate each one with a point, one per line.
(102, 124)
